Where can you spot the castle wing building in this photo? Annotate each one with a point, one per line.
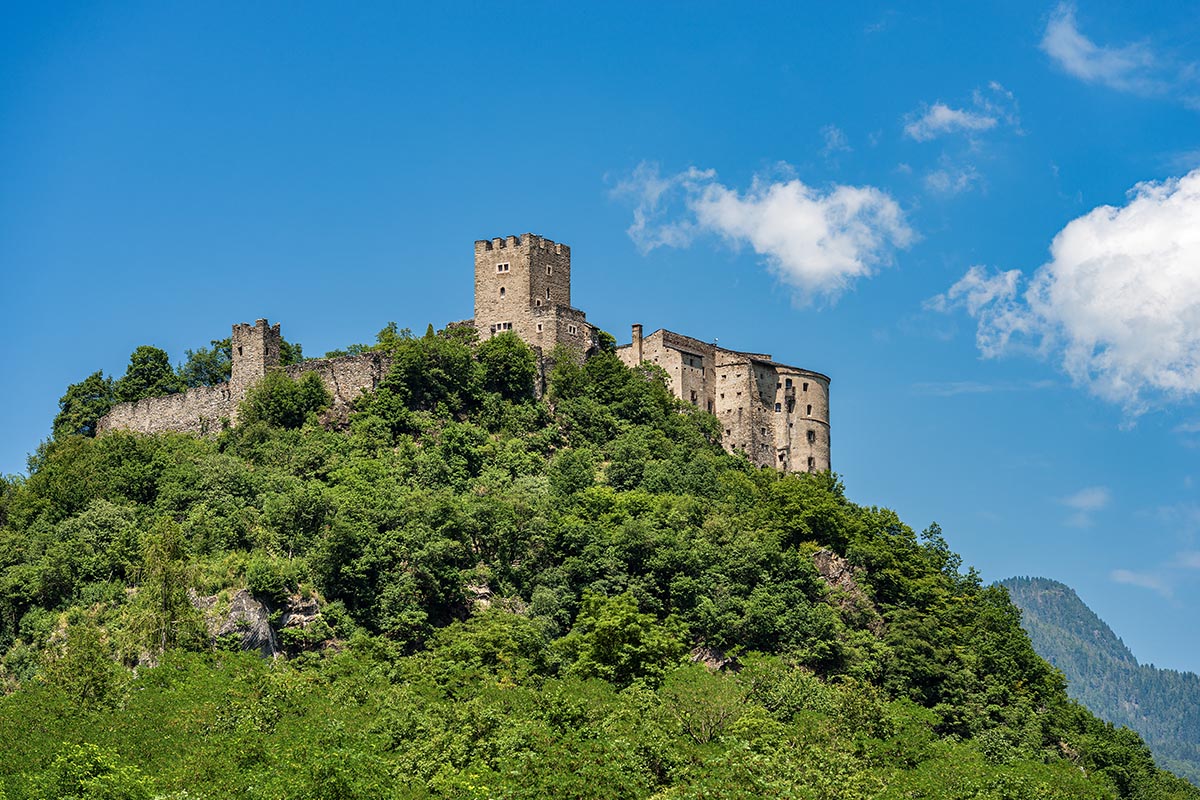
(778, 415)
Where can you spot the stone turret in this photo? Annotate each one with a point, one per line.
(255, 350)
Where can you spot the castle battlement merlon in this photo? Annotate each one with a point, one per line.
(525, 240)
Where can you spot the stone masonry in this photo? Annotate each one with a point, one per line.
(778, 415)
(206, 409)
(523, 285)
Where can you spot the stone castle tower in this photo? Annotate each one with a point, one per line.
(255, 351)
(523, 285)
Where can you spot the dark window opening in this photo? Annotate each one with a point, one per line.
(778, 407)
(812, 436)
(806, 387)
(788, 383)
(809, 412)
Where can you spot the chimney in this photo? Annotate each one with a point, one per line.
(637, 343)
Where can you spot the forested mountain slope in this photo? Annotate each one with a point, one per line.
(513, 594)
(1162, 705)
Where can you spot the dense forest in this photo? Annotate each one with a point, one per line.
(573, 593)
(1160, 704)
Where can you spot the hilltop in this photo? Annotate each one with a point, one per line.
(478, 592)
(1160, 704)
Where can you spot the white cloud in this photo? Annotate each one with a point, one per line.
(1188, 560)
(816, 241)
(835, 140)
(1086, 502)
(1130, 68)
(952, 180)
(990, 107)
(954, 388)
(1118, 302)
(1093, 498)
(1145, 580)
(939, 119)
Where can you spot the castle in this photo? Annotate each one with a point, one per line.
(778, 415)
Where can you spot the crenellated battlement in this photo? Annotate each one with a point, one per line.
(523, 241)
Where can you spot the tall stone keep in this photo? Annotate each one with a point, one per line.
(255, 350)
(523, 285)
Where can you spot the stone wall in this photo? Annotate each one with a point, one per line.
(767, 410)
(201, 411)
(206, 409)
(346, 377)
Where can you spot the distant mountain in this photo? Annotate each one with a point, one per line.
(1160, 704)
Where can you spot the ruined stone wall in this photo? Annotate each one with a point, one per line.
(202, 410)
(346, 377)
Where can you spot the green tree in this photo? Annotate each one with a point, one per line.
(509, 366)
(83, 405)
(281, 402)
(163, 615)
(208, 366)
(613, 641)
(81, 664)
(85, 772)
(149, 375)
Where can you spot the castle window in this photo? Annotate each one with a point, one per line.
(812, 462)
(788, 383)
(763, 431)
(722, 395)
(504, 326)
(693, 397)
(502, 291)
(778, 407)
(539, 327)
(782, 456)
(239, 349)
(538, 303)
(812, 436)
(547, 292)
(779, 386)
(809, 411)
(728, 432)
(710, 406)
(806, 387)
(572, 329)
(549, 270)
(502, 267)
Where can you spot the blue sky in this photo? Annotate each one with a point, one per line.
(977, 218)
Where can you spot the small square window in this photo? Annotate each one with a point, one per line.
(502, 267)
(539, 329)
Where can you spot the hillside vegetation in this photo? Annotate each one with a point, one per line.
(513, 592)
(1160, 704)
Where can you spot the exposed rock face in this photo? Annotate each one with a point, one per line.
(300, 612)
(845, 593)
(714, 659)
(249, 619)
